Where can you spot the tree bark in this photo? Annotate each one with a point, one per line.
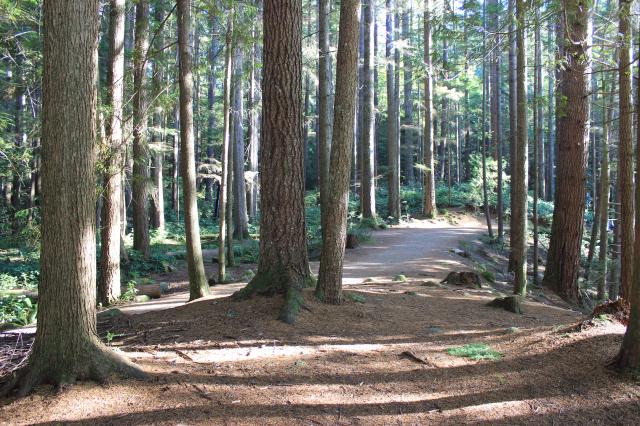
(283, 265)
(109, 282)
(198, 286)
(625, 151)
(140, 146)
(157, 136)
(241, 219)
(408, 131)
(325, 82)
(254, 130)
(519, 183)
(513, 119)
(603, 200)
(226, 148)
(368, 185)
(429, 192)
(67, 347)
(329, 286)
(393, 177)
(496, 111)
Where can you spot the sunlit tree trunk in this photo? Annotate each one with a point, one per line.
(109, 282)
(368, 113)
(519, 182)
(198, 286)
(140, 147)
(625, 151)
(241, 220)
(429, 195)
(283, 265)
(329, 286)
(393, 177)
(67, 347)
(157, 138)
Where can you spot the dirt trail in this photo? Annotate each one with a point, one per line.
(380, 358)
(419, 250)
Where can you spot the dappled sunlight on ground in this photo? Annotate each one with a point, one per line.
(216, 361)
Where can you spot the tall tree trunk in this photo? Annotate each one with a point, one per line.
(211, 102)
(157, 136)
(537, 133)
(408, 131)
(549, 184)
(519, 185)
(325, 82)
(175, 187)
(198, 286)
(629, 356)
(67, 347)
(226, 148)
(254, 129)
(393, 178)
(241, 220)
(496, 110)
(329, 286)
(563, 260)
(140, 146)
(429, 192)
(513, 125)
(109, 282)
(485, 87)
(283, 265)
(368, 114)
(625, 151)
(539, 119)
(603, 200)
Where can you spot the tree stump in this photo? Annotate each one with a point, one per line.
(509, 303)
(469, 279)
(352, 241)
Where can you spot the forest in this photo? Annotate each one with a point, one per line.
(319, 212)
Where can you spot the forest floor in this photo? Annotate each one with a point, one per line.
(380, 358)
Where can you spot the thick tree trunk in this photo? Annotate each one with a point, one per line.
(429, 192)
(283, 265)
(109, 282)
(519, 184)
(241, 219)
(625, 151)
(368, 113)
(140, 146)
(329, 286)
(393, 177)
(572, 116)
(67, 347)
(198, 286)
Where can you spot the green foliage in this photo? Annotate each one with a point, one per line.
(140, 267)
(355, 297)
(247, 251)
(130, 294)
(476, 352)
(17, 311)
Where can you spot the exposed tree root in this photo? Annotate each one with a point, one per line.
(509, 303)
(270, 284)
(96, 366)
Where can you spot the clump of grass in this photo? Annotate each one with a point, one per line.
(358, 298)
(476, 352)
(402, 278)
